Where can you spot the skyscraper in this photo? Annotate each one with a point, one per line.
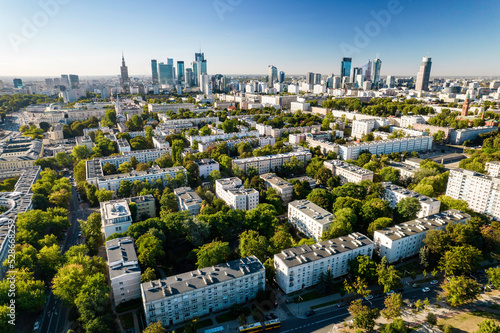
(317, 78)
(199, 67)
(124, 73)
(423, 75)
(154, 71)
(390, 81)
(189, 77)
(74, 81)
(180, 72)
(367, 70)
(355, 72)
(310, 78)
(272, 75)
(345, 67)
(166, 73)
(65, 80)
(377, 64)
(18, 83)
(282, 77)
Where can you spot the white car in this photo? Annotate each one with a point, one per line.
(426, 290)
(369, 297)
(434, 282)
(389, 292)
(36, 327)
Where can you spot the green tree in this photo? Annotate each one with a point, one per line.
(154, 328)
(408, 209)
(69, 278)
(364, 317)
(380, 223)
(104, 195)
(460, 259)
(363, 267)
(488, 326)
(148, 275)
(109, 169)
(397, 326)
(424, 256)
(50, 259)
(212, 254)
(251, 243)
(374, 209)
(460, 290)
(280, 241)
(149, 250)
(388, 276)
(493, 275)
(389, 174)
(321, 197)
(393, 304)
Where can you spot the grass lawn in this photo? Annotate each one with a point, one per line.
(467, 322)
(227, 316)
(127, 320)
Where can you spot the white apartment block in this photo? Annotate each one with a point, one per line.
(259, 142)
(394, 194)
(283, 188)
(348, 173)
(493, 168)
(481, 192)
(187, 199)
(124, 270)
(115, 217)
(413, 143)
(206, 166)
(309, 218)
(170, 107)
(84, 141)
(266, 164)
(299, 106)
(112, 182)
(459, 136)
(295, 139)
(324, 145)
(300, 267)
(409, 121)
(124, 146)
(223, 137)
(365, 126)
(159, 142)
(406, 239)
(176, 299)
(231, 190)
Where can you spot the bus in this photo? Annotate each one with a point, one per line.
(215, 330)
(259, 327)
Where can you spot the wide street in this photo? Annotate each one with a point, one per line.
(55, 314)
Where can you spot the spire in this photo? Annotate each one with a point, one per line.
(123, 60)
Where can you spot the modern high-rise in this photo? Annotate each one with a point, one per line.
(390, 81)
(272, 73)
(18, 83)
(310, 78)
(355, 74)
(199, 67)
(65, 80)
(317, 78)
(423, 75)
(74, 81)
(367, 70)
(154, 71)
(189, 77)
(180, 72)
(377, 64)
(166, 73)
(124, 80)
(281, 77)
(345, 67)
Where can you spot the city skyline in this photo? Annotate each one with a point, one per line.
(316, 42)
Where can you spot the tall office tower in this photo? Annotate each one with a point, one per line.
(49, 83)
(317, 78)
(360, 79)
(423, 75)
(189, 77)
(199, 67)
(345, 67)
(337, 81)
(272, 75)
(154, 71)
(166, 74)
(310, 78)
(377, 64)
(223, 83)
(367, 70)
(355, 72)
(65, 80)
(181, 78)
(329, 81)
(74, 81)
(57, 81)
(391, 82)
(18, 83)
(124, 73)
(282, 77)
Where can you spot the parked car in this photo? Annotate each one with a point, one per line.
(416, 285)
(434, 282)
(37, 326)
(369, 297)
(389, 292)
(309, 313)
(426, 289)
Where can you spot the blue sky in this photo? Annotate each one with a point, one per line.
(245, 36)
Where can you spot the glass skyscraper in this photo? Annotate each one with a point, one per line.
(377, 64)
(424, 74)
(154, 71)
(345, 67)
(166, 74)
(272, 75)
(180, 72)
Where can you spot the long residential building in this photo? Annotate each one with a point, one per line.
(231, 190)
(481, 192)
(20, 153)
(283, 188)
(351, 150)
(394, 194)
(255, 142)
(270, 163)
(170, 107)
(348, 173)
(405, 239)
(459, 136)
(176, 299)
(309, 218)
(188, 199)
(124, 270)
(365, 126)
(222, 137)
(300, 267)
(268, 130)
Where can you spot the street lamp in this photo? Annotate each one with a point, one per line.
(298, 304)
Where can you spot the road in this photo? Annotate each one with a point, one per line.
(55, 314)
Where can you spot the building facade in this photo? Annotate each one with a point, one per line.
(206, 166)
(348, 173)
(394, 194)
(350, 151)
(309, 218)
(187, 199)
(283, 188)
(232, 191)
(266, 164)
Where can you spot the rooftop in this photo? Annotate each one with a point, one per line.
(269, 157)
(314, 211)
(275, 181)
(205, 161)
(299, 255)
(122, 258)
(190, 281)
(423, 224)
(348, 166)
(115, 209)
(188, 196)
(388, 186)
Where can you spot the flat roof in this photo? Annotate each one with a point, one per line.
(299, 255)
(115, 209)
(270, 157)
(314, 211)
(348, 166)
(388, 186)
(188, 196)
(275, 180)
(417, 226)
(190, 281)
(122, 258)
